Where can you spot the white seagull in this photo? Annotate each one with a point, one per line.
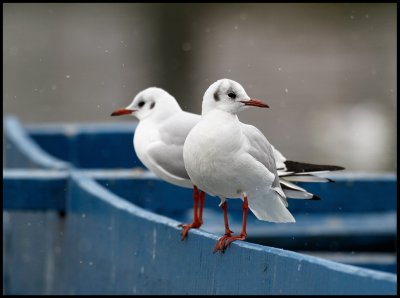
(229, 159)
(159, 138)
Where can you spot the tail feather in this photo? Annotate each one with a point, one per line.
(289, 185)
(293, 171)
(307, 178)
(293, 194)
(269, 206)
(294, 191)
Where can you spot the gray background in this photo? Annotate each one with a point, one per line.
(328, 71)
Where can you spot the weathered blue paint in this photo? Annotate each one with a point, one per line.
(34, 190)
(312, 231)
(107, 245)
(111, 246)
(33, 248)
(354, 193)
(75, 143)
(145, 257)
(21, 151)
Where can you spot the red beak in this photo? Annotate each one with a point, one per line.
(122, 112)
(255, 103)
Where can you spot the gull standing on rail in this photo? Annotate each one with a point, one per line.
(158, 141)
(229, 159)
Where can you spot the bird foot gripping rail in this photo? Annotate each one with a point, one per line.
(82, 216)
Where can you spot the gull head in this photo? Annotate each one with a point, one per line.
(152, 102)
(229, 96)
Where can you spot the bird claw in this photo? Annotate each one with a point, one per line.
(234, 238)
(220, 245)
(226, 241)
(187, 227)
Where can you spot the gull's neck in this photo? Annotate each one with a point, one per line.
(159, 117)
(221, 115)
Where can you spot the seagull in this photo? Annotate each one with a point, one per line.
(158, 142)
(229, 159)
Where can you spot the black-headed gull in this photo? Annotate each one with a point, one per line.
(159, 138)
(229, 159)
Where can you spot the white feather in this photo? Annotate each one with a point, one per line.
(299, 178)
(294, 194)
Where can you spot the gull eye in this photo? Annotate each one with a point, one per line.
(232, 95)
(141, 104)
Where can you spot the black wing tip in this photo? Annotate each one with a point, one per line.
(299, 167)
(338, 168)
(315, 198)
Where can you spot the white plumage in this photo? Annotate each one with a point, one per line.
(160, 137)
(229, 159)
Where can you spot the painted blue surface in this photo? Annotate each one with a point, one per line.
(35, 191)
(33, 248)
(357, 193)
(110, 246)
(263, 270)
(313, 230)
(22, 151)
(119, 235)
(89, 145)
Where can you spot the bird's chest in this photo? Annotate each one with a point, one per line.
(144, 136)
(211, 148)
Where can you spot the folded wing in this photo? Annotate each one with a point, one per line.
(167, 153)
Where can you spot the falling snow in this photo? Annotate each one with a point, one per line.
(243, 16)
(186, 46)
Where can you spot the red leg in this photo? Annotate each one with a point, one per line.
(228, 232)
(243, 234)
(227, 239)
(202, 194)
(196, 222)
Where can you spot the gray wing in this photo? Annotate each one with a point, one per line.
(167, 153)
(279, 159)
(261, 150)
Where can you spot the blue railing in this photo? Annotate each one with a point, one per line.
(82, 216)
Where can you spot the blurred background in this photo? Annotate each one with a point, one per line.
(328, 71)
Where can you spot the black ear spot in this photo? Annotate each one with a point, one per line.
(141, 104)
(216, 96)
(232, 95)
(152, 105)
